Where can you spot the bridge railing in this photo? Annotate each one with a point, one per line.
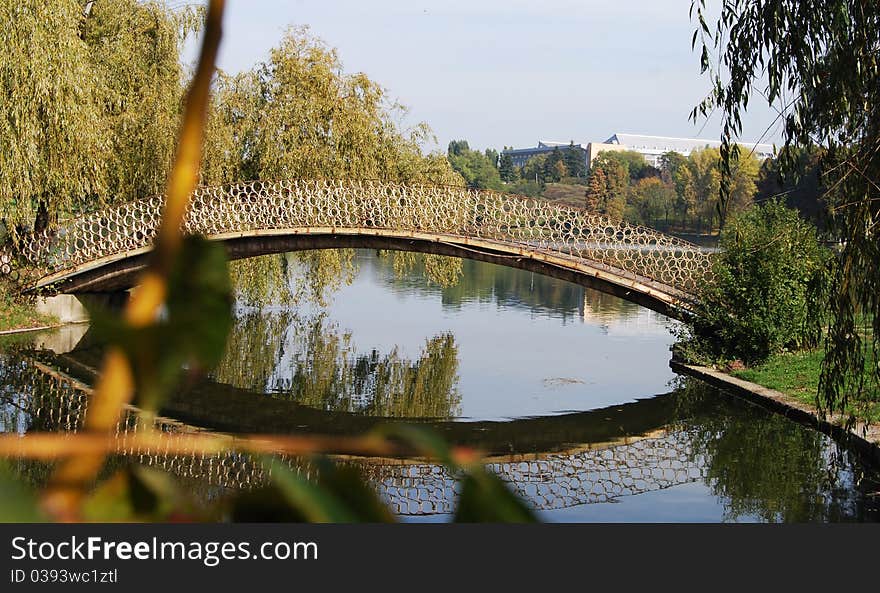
(441, 210)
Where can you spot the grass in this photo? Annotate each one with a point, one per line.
(567, 194)
(20, 315)
(795, 374)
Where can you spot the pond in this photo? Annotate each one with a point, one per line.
(567, 390)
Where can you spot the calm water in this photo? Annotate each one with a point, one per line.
(567, 389)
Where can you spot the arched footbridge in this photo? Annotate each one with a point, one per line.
(104, 250)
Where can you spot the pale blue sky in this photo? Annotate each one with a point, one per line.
(506, 72)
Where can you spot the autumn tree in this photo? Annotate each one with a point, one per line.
(651, 201)
(607, 187)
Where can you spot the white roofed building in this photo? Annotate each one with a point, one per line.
(653, 147)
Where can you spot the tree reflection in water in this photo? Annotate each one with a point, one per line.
(766, 467)
(310, 361)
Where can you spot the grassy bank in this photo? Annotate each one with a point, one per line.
(795, 374)
(20, 315)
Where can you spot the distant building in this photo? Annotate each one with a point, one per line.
(520, 156)
(653, 147)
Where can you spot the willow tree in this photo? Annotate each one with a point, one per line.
(300, 115)
(90, 100)
(134, 51)
(53, 146)
(819, 66)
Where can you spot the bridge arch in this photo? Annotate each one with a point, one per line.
(104, 250)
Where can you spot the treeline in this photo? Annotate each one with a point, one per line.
(681, 195)
(493, 170)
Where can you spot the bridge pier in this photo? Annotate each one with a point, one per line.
(73, 308)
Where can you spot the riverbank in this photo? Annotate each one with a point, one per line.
(18, 317)
(865, 437)
(796, 374)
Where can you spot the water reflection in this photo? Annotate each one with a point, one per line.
(567, 390)
(311, 362)
(694, 454)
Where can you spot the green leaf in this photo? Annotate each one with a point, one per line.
(349, 486)
(18, 504)
(134, 493)
(424, 440)
(200, 300)
(334, 494)
(485, 498)
(314, 503)
(193, 332)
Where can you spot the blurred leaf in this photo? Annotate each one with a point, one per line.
(426, 441)
(200, 300)
(18, 503)
(485, 498)
(335, 494)
(193, 333)
(316, 504)
(264, 505)
(349, 485)
(133, 493)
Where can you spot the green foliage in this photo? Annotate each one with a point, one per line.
(757, 303)
(670, 163)
(575, 161)
(762, 465)
(483, 497)
(19, 503)
(135, 493)
(801, 187)
(651, 202)
(506, 170)
(478, 169)
(533, 170)
(607, 186)
(18, 311)
(339, 495)
(554, 167)
(683, 193)
(797, 374)
(301, 115)
(634, 162)
(818, 66)
(91, 104)
(54, 147)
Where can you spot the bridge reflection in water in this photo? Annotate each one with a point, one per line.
(552, 462)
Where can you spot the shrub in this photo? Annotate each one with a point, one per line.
(757, 304)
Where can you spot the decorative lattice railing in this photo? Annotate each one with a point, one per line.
(534, 225)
